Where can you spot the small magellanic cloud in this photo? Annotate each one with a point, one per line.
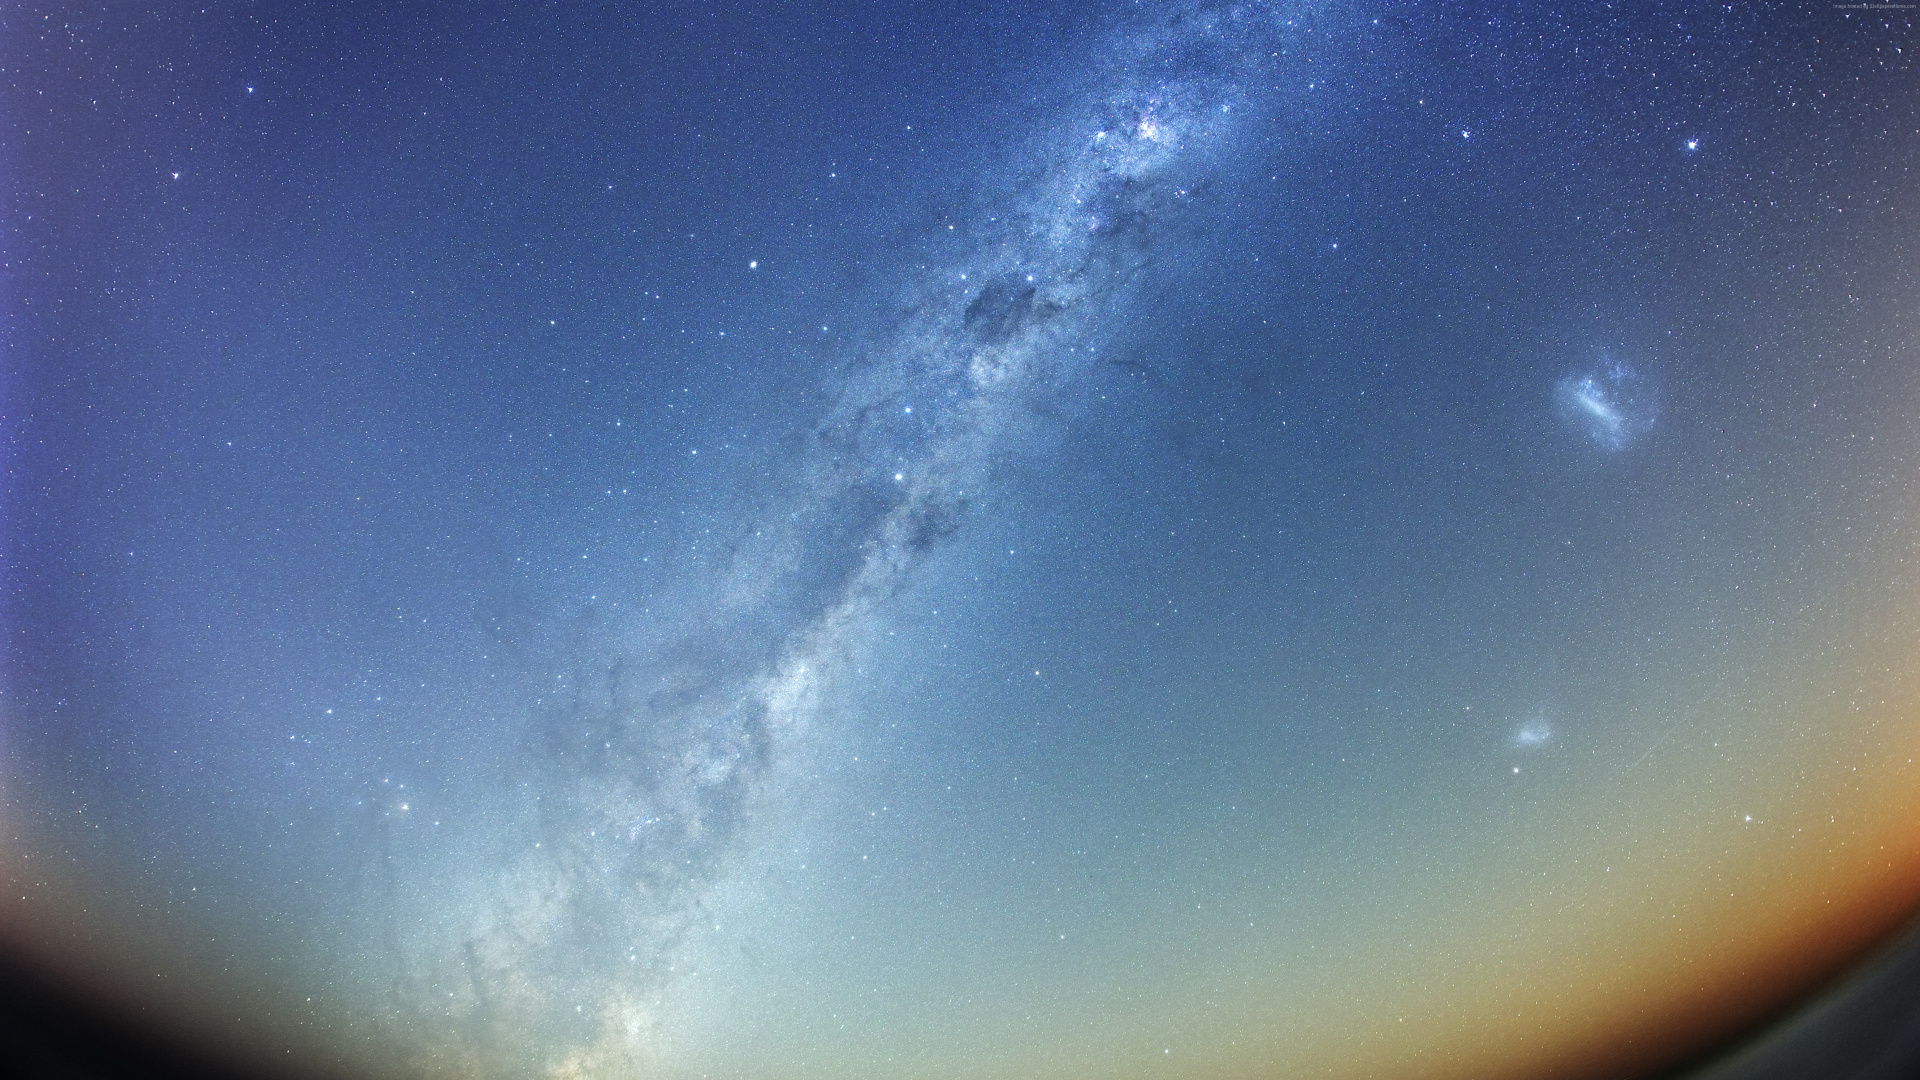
(1533, 733)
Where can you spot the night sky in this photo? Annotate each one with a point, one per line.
(844, 540)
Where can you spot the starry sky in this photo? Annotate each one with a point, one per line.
(959, 540)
